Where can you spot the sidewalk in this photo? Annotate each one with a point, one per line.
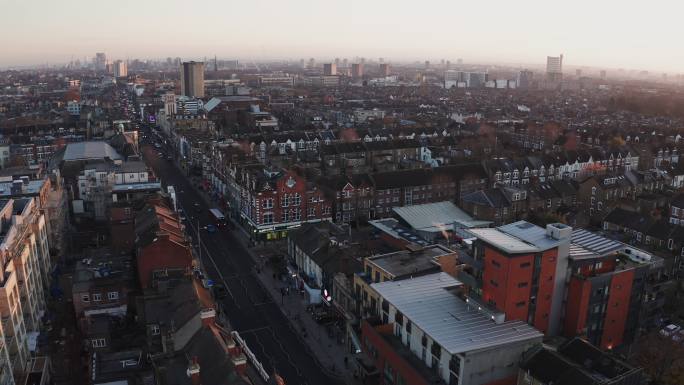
(329, 352)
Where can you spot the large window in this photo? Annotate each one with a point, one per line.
(99, 342)
(297, 199)
(268, 218)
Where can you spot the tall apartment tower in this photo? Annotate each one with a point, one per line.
(120, 69)
(384, 69)
(329, 69)
(357, 70)
(192, 79)
(554, 68)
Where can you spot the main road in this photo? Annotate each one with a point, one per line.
(249, 308)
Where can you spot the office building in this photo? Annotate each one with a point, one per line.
(384, 69)
(554, 68)
(463, 79)
(427, 64)
(357, 70)
(120, 69)
(192, 79)
(329, 69)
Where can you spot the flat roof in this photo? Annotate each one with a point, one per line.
(532, 233)
(434, 217)
(503, 241)
(392, 227)
(595, 243)
(90, 150)
(454, 324)
(405, 262)
(137, 187)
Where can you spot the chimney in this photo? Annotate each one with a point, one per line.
(194, 372)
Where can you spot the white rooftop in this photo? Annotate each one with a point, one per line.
(504, 241)
(435, 217)
(531, 233)
(595, 243)
(451, 322)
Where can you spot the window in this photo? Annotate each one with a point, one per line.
(99, 342)
(297, 199)
(520, 304)
(268, 203)
(496, 263)
(525, 264)
(285, 201)
(97, 297)
(268, 218)
(286, 216)
(85, 298)
(311, 211)
(494, 283)
(298, 215)
(113, 295)
(154, 329)
(522, 284)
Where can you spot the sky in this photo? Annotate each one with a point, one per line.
(600, 33)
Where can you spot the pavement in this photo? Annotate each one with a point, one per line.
(250, 305)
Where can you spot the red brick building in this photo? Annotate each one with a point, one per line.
(160, 243)
(274, 201)
(564, 281)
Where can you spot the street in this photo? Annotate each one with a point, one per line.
(248, 306)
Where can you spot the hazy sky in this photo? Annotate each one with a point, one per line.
(621, 34)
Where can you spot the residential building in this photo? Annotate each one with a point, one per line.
(576, 362)
(160, 243)
(428, 332)
(329, 69)
(26, 277)
(192, 79)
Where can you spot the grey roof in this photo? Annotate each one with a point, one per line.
(503, 241)
(595, 243)
(455, 325)
(90, 150)
(433, 217)
(531, 233)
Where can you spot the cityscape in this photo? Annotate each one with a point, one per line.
(364, 212)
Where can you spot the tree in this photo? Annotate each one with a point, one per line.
(662, 358)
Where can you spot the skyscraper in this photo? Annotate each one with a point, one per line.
(329, 69)
(192, 79)
(554, 68)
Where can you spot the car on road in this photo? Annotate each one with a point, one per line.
(211, 228)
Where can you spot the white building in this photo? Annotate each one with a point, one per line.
(460, 340)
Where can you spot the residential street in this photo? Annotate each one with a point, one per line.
(248, 306)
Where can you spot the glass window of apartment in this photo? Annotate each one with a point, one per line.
(154, 329)
(113, 295)
(99, 342)
(297, 199)
(85, 297)
(268, 218)
(97, 297)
